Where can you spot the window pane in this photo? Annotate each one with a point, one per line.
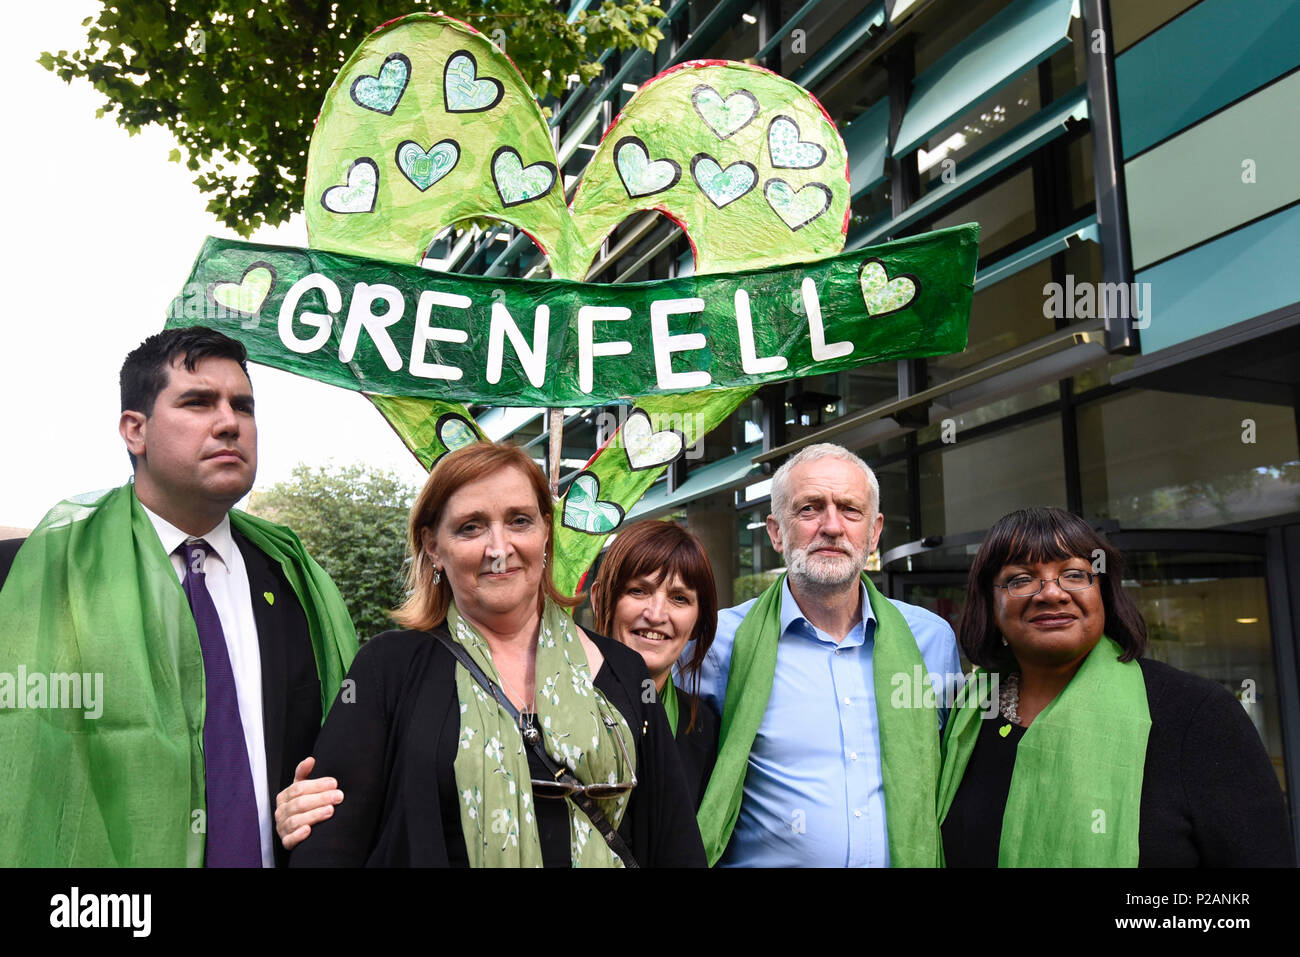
(1005, 214)
(1069, 65)
(740, 40)
(1165, 460)
(981, 125)
(758, 561)
(1132, 20)
(894, 505)
(958, 23)
(1100, 375)
(1004, 315)
(969, 485)
(1208, 614)
(964, 421)
(1081, 187)
(819, 28)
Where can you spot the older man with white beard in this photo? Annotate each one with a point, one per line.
(819, 764)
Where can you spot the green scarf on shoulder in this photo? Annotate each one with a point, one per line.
(909, 736)
(581, 730)
(91, 593)
(1076, 791)
(668, 698)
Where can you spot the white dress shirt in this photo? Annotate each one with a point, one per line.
(227, 581)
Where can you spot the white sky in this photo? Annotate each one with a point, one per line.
(101, 233)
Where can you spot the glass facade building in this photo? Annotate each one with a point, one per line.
(1134, 351)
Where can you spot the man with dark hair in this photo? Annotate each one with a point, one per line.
(165, 660)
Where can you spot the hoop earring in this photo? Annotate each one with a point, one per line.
(437, 579)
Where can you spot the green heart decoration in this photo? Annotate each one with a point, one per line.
(269, 596)
(423, 424)
(486, 107)
(646, 448)
(797, 208)
(358, 196)
(787, 151)
(455, 432)
(733, 101)
(247, 295)
(463, 89)
(725, 116)
(382, 93)
(641, 176)
(882, 294)
(517, 183)
(585, 512)
(722, 186)
(424, 168)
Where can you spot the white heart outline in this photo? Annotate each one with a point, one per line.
(703, 88)
(645, 150)
(260, 264)
(492, 167)
(916, 286)
(699, 157)
(362, 161)
(595, 497)
(771, 155)
(641, 420)
(822, 187)
(397, 160)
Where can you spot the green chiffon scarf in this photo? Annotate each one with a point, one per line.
(1076, 790)
(92, 594)
(580, 729)
(668, 697)
(909, 736)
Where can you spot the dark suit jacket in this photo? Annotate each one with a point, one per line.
(291, 705)
(8, 549)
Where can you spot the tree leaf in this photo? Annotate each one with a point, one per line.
(254, 93)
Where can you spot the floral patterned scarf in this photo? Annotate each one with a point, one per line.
(496, 797)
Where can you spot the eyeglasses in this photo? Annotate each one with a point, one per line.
(546, 788)
(1023, 586)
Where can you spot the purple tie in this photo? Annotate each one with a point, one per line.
(233, 833)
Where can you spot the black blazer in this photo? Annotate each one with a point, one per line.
(697, 748)
(291, 696)
(393, 749)
(8, 549)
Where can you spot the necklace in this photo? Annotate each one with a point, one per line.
(1009, 697)
(527, 725)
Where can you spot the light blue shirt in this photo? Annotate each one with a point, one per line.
(814, 794)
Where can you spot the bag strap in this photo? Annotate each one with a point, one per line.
(558, 772)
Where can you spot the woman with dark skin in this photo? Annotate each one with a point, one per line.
(1092, 755)
(655, 592)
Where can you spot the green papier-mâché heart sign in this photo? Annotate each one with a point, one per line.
(405, 330)
(428, 124)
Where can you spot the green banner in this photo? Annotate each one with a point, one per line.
(400, 330)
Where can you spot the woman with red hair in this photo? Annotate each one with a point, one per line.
(492, 731)
(655, 593)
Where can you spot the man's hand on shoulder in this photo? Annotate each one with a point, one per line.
(304, 803)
